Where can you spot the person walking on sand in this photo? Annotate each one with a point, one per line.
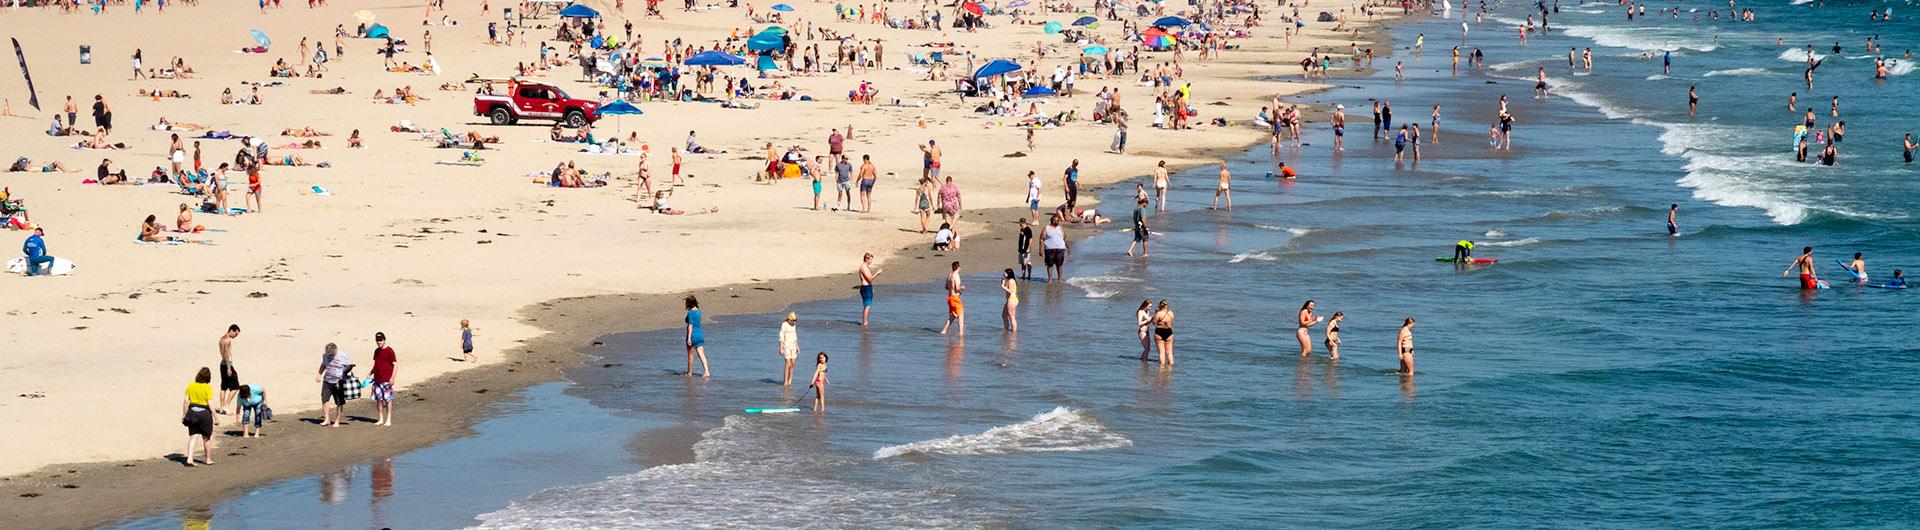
(789, 346)
(1143, 318)
(868, 174)
(819, 384)
(930, 160)
(199, 419)
(383, 364)
(466, 342)
(1160, 178)
(1163, 333)
(696, 341)
(333, 372)
(1808, 278)
(1333, 335)
(1012, 290)
(956, 307)
(229, 378)
(1225, 189)
(1024, 246)
(867, 274)
(843, 185)
(1306, 322)
(1405, 345)
(1072, 183)
(1033, 197)
(1140, 232)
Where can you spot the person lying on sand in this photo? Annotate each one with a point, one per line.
(165, 125)
(479, 142)
(302, 132)
(287, 160)
(308, 144)
(23, 164)
(156, 94)
(335, 91)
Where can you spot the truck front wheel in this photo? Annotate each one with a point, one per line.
(576, 119)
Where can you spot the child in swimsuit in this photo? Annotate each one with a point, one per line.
(819, 384)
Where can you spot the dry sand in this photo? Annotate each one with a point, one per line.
(97, 359)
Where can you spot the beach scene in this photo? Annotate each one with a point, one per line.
(1007, 264)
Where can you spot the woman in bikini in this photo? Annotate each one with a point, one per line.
(1012, 288)
(1144, 319)
(1333, 335)
(1306, 320)
(1163, 333)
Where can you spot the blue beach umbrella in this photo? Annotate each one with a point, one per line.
(1037, 91)
(714, 58)
(1051, 28)
(1085, 21)
(579, 11)
(1095, 50)
(766, 41)
(782, 7)
(262, 39)
(618, 107)
(1171, 22)
(997, 67)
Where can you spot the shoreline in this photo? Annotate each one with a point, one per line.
(569, 329)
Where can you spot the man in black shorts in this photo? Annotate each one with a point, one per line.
(229, 378)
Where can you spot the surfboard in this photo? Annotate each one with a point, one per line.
(1471, 260)
(1850, 272)
(770, 410)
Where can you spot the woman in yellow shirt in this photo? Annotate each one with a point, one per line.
(199, 419)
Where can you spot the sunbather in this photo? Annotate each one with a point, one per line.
(303, 132)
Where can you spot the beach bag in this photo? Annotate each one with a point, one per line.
(350, 384)
(266, 412)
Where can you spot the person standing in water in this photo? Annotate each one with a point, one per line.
(1225, 189)
(1435, 131)
(1053, 250)
(1804, 263)
(696, 341)
(1143, 317)
(956, 307)
(1012, 290)
(1024, 245)
(1306, 321)
(1405, 347)
(1333, 335)
(789, 346)
(1339, 129)
(819, 384)
(1140, 232)
(1907, 147)
(1163, 332)
(1693, 102)
(867, 274)
(1673, 210)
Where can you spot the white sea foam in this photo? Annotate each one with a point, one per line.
(1658, 77)
(1800, 2)
(1099, 286)
(1295, 231)
(1059, 430)
(1514, 243)
(1255, 255)
(1730, 180)
(1643, 38)
(1494, 233)
(1898, 67)
(1575, 95)
(765, 478)
(1739, 72)
(1799, 55)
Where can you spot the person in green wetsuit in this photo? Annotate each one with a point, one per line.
(1463, 251)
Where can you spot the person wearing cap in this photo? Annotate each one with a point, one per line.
(36, 250)
(789, 345)
(383, 361)
(1339, 126)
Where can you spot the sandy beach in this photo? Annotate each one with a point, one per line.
(400, 244)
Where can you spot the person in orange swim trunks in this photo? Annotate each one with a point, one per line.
(956, 308)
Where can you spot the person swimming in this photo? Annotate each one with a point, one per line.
(1898, 281)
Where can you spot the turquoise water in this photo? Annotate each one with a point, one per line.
(1602, 374)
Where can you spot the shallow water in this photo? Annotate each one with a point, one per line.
(1602, 374)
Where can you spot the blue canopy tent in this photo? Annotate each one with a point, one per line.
(1171, 22)
(579, 11)
(377, 31)
(1037, 91)
(618, 107)
(997, 67)
(782, 7)
(714, 58)
(767, 40)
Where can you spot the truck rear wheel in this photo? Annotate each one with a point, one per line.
(576, 119)
(500, 116)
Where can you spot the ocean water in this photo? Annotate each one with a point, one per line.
(1602, 374)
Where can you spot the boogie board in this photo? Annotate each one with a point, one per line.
(1476, 261)
(770, 410)
(1885, 286)
(1850, 272)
